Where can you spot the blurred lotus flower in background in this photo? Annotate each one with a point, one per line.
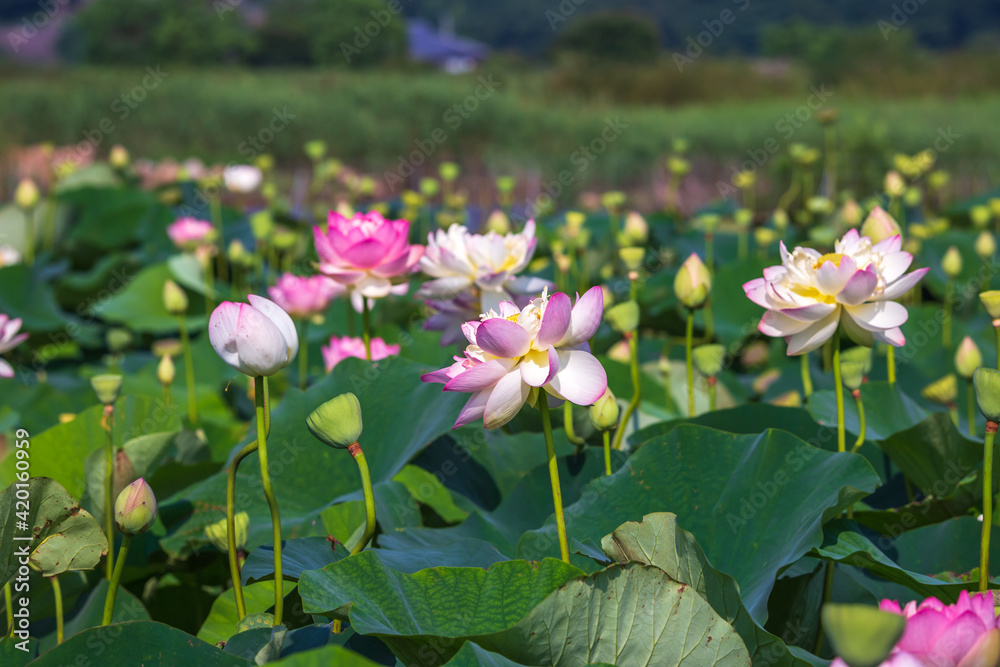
(189, 233)
(365, 252)
(810, 294)
(242, 178)
(879, 226)
(257, 339)
(9, 339)
(895, 186)
(512, 352)
(9, 256)
(346, 346)
(302, 296)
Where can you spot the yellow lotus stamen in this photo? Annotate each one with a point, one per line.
(834, 257)
(513, 318)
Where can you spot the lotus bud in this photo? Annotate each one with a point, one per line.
(943, 391)
(498, 222)
(968, 358)
(218, 532)
(991, 302)
(613, 200)
(951, 263)
(678, 166)
(764, 237)
(862, 635)
(819, 205)
(118, 339)
(604, 413)
(135, 508)
(264, 162)
(851, 213)
(429, 187)
(755, 355)
(107, 387)
(879, 225)
(938, 226)
(237, 252)
(174, 298)
(623, 317)
(980, 216)
(708, 359)
(852, 374)
(780, 218)
(337, 422)
(118, 157)
(987, 383)
(315, 149)
(574, 221)
(261, 224)
(937, 179)
(620, 352)
(449, 172)
(858, 354)
(26, 195)
(763, 382)
(709, 222)
(170, 346)
(894, 184)
(693, 283)
(165, 371)
(632, 257)
(636, 229)
(986, 245)
(912, 197)
(743, 217)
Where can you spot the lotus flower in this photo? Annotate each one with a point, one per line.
(135, 508)
(940, 635)
(187, 233)
(9, 255)
(810, 294)
(303, 297)
(9, 339)
(365, 252)
(512, 351)
(256, 339)
(242, 178)
(342, 348)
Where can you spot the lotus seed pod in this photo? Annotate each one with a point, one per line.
(943, 391)
(632, 257)
(987, 383)
(505, 184)
(118, 339)
(337, 422)
(708, 359)
(429, 187)
(315, 149)
(862, 636)
(968, 358)
(623, 317)
(107, 387)
(174, 298)
(951, 263)
(743, 217)
(693, 283)
(860, 354)
(780, 218)
(604, 413)
(135, 508)
(852, 374)
(170, 346)
(218, 532)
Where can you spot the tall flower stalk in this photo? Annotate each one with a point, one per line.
(987, 383)
(107, 388)
(692, 286)
(550, 452)
(262, 411)
(135, 512)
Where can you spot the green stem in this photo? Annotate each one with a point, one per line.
(953, 412)
(49, 233)
(109, 601)
(57, 593)
(996, 332)
(633, 350)
(607, 452)
(29, 236)
(807, 383)
(890, 363)
(168, 399)
(688, 336)
(366, 485)
(946, 324)
(8, 602)
(109, 502)
(984, 548)
(550, 450)
(304, 355)
(350, 317)
(861, 419)
(841, 436)
(234, 565)
(971, 400)
(568, 425)
(367, 328)
(827, 591)
(260, 398)
(711, 393)
(188, 370)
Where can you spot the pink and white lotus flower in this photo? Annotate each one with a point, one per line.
(304, 296)
(809, 295)
(189, 233)
(9, 339)
(257, 339)
(514, 352)
(347, 346)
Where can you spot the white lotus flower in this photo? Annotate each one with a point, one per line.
(810, 294)
(242, 178)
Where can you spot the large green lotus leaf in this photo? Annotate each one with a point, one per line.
(927, 511)
(933, 454)
(61, 452)
(949, 548)
(769, 493)
(12, 656)
(474, 655)
(26, 296)
(630, 615)
(139, 306)
(40, 404)
(133, 643)
(658, 541)
(508, 457)
(144, 453)
(736, 316)
(427, 489)
(220, 624)
(887, 410)
(297, 556)
(326, 656)
(63, 536)
(89, 612)
(113, 217)
(844, 544)
(423, 617)
(401, 416)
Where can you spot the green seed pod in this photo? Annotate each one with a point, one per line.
(708, 359)
(106, 387)
(861, 635)
(118, 339)
(943, 391)
(860, 354)
(852, 374)
(337, 422)
(987, 383)
(623, 317)
(632, 257)
(218, 532)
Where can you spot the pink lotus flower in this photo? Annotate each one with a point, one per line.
(511, 353)
(256, 339)
(303, 297)
(188, 233)
(810, 295)
(9, 339)
(366, 251)
(940, 635)
(342, 348)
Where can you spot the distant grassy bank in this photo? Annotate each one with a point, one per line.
(385, 121)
